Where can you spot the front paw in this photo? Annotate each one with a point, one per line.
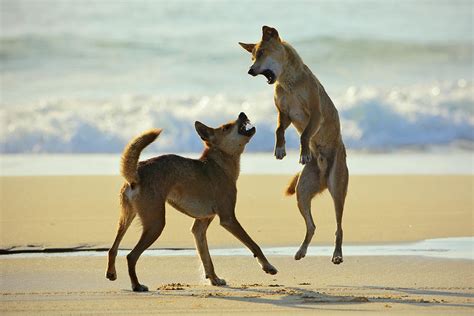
(217, 282)
(305, 157)
(280, 152)
(268, 268)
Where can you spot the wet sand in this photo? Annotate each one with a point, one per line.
(401, 285)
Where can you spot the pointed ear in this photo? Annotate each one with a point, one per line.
(247, 47)
(269, 33)
(206, 133)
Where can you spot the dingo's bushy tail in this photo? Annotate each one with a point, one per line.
(131, 154)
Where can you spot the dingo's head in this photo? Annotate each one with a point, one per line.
(268, 55)
(230, 138)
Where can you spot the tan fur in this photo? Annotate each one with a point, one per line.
(291, 189)
(322, 164)
(301, 100)
(131, 154)
(201, 188)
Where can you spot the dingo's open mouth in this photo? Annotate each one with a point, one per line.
(270, 75)
(245, 127)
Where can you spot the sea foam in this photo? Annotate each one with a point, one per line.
(371, 119)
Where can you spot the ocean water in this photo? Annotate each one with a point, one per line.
(86, 76)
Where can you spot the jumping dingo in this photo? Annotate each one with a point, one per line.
(302, 101)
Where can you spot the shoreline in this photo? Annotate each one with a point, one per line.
(441, 248)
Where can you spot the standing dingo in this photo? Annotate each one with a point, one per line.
(201, 188)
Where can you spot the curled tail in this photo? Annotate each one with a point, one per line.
(290, 190)
(131, 154)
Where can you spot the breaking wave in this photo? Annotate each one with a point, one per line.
(371, 119)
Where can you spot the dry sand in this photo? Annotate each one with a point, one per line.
(82, 210)
(71, 211)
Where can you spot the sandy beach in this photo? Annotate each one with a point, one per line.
(67, 211)
(82, 210)
(80, 79)
(400, 285)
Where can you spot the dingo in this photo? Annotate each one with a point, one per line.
(302, 101)
(201, 188)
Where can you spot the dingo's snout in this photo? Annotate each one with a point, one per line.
(252, 72)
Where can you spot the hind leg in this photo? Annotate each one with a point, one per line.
(126, 218)
(337, 184)
(153, 221)
(308, 185)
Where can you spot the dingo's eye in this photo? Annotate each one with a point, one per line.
(260, 53)
(226, 128)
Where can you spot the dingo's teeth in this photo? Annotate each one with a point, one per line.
(248, 126)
